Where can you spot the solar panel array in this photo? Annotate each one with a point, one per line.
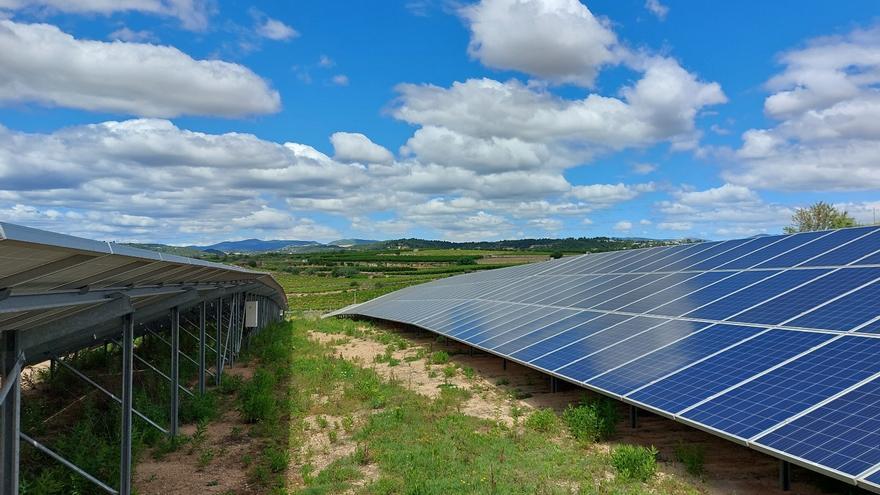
(773, 342)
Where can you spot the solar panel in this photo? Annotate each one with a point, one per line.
(772, 341)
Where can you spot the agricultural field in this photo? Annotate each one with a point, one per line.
(327, 281)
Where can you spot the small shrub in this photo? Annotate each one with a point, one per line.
(322, 422)
(449, 371)
(556, 255)
(257, 398)
(582, 422)
(634, 462)
(692, 456)
(469, 373)
(543, 420)
(277, 459)
(440, 357)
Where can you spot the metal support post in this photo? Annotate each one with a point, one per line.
(10, 408)
(127, 394)
(633, 417)
(503, 364)
(554, 385)
(784, 475)
(202, 336)
(175, 370)
(218, 328)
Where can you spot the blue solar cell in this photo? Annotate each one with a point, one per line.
(872, 327)
(556, 341)
(661, 297)
(625, 287)
(624, 350)
(728, 284)
(595, 342)
(786, 243)
(528, 339)
(452, 314)
(505, 323)
(706, 378)
(734, 251)
(608, 261)
(849, 253)
(644, 290)
(609, 283)
(516, 329)
(620, 265)
(560, 285)
(653, 366)
(809, 296)
(780, 394)
(485, 311)
(874, 478)
(874, 259)
(674, 254)
(843, 434)
(834, 240)
(491, 320)
(715, 248)
(588, 283)
(636, 264)
(756, 294)
(845, 313)
(690, 252)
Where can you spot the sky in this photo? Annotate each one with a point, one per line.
(196, 121)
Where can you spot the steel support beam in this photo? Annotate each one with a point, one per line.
(784, 475)
(202, 336)
(158, 371)
(218, 328)
(108, 393)
(73, 467)
(10, 410)
(127, 394)
(633, 417)
(175, 370)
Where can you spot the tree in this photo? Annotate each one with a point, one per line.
(556, 255)
(819, 216)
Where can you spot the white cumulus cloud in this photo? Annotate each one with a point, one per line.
(40, 63)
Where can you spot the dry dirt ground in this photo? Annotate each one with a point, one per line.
(498, 393)
(729, 468)
(187, 471)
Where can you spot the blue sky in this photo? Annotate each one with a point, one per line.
(190, 121)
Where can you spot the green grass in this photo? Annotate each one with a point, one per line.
(427, 446)
(543, 420)
(692, 456)
(634, 462)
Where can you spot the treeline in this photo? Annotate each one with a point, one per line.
(570, 244)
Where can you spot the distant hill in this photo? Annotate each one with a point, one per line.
(255, 245)
(570, 244)
(351, 242)
(189, 252)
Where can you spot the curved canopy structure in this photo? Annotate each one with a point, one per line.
(772, 342)
(61, 291)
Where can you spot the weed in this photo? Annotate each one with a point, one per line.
(332, 436)
(543, 420)
(322, 422)
(469, 373)
(634, 462)
(692, 456)
(348, 423)
(277, 459)
(257, 397)
(440, 357)
(591, 420)
(449, 371)
(205, 457)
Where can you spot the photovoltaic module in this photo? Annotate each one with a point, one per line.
(772, 341)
